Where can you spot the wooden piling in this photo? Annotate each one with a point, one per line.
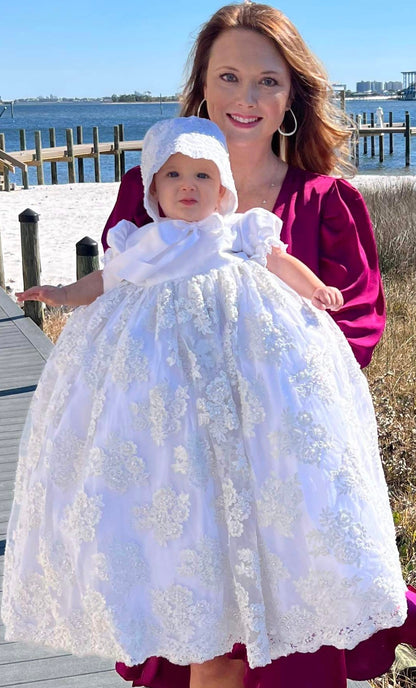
(81, 177)
(381, 147)
(117, 167)
(357, 140)
(38, 155)
(373, 147)
(97, 172)
(391, 144)
(22, 139)
(123, 155)
(54, 167)
(29, 236)
(5, 172)
(407, 138)
(365, 138)
(87, 257)
(70, 154)
(25, 174)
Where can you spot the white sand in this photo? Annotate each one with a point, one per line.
(67, 213)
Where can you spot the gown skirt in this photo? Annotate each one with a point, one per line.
(199, 475)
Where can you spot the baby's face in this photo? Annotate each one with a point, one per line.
(187, 189)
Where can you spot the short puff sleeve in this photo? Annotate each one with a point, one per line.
(256, 232)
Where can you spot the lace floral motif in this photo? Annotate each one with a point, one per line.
(163, 413)
(234, 507)
(33, 508)
(119, 464)
(252, 412)
(217, 409)
(82, 516)
(280, 504)
(64, 458)
(309, 441)
(341, 535)
(266, 339)
(165, 517)
(181, 616)
(205, 562)
(316, 376)
(130, 364)
(125, 567)
(57, 566)
(195, 460)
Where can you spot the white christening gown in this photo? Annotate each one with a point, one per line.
(199, 465)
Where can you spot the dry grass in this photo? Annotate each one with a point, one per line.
(55, 319)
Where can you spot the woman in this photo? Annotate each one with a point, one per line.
(253, 75)
(325, 221)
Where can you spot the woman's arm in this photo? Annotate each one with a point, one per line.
(300, 278)
(129, 203)
(79, 293)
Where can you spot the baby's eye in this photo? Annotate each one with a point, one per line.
(269, 81)
(202, 175)
(228, 76)
(172, 173)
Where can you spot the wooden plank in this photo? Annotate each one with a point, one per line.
(46, 668)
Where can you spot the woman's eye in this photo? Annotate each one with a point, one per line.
(172, 174)
(202, 175)
(228, 77)
(269, 81)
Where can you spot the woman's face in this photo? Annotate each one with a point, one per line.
(247, 86)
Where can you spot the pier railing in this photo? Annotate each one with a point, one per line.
(363, 129)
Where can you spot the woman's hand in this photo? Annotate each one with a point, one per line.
(52, 296)
(327, 298)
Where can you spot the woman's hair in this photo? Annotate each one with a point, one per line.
(321, 143)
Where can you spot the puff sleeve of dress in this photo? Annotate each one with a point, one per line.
(255, 233)
(327, 226)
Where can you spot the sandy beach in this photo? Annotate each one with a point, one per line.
(67, 213)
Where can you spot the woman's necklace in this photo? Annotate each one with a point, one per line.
(271, 186)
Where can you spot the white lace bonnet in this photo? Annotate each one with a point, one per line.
(192, 136)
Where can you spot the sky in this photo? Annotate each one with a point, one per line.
(90, 48)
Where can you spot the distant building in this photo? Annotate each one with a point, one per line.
(370, 87)
(393, 86)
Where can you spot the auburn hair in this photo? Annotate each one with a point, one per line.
(321, 142)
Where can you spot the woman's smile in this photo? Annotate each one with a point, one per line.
(248, 87)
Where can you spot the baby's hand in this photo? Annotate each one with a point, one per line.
(52, 296)
(327, 298)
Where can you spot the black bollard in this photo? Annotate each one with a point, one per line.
(29, 236)
(87, 257)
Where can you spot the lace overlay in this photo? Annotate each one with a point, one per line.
(199, 467)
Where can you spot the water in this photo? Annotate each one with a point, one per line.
(393, 164)
(137, 118)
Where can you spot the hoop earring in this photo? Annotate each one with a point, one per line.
(198, 112)
(290, 133)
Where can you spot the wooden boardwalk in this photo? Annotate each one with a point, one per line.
(23, 352)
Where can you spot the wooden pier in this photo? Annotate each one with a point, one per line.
(74, 153)
(69, 154)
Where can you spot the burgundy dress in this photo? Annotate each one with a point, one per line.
(327, 226)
